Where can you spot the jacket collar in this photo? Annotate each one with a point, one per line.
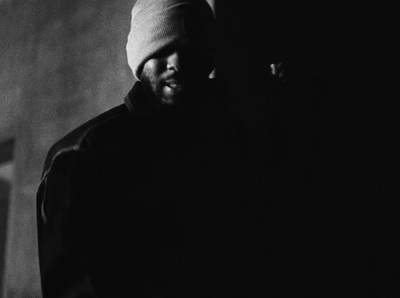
(134, 98)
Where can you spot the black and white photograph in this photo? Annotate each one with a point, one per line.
(199, 149)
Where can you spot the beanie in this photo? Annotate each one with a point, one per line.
(157, 24)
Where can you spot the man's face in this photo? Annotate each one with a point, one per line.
(175, 73)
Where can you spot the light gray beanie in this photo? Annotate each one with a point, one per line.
(156, 24)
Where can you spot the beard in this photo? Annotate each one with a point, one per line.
(165, 90)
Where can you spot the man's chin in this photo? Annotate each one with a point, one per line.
(172, 97)
(169, 101)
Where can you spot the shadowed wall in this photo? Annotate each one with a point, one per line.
(62, 62)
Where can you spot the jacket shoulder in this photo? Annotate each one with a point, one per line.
(79, 139)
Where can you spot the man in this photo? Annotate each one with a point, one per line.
(147, 199)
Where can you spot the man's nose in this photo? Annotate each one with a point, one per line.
(174, 61)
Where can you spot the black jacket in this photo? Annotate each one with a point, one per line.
(143, 202)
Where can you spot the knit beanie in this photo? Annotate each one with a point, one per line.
(157, 24)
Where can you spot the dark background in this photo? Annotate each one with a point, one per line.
(326, 138)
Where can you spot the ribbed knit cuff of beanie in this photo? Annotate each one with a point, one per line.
(157, 24)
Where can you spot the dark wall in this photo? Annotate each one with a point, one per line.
(4, 198)
(340, 63)
(6, 169)
(61, 63)
(326, 137)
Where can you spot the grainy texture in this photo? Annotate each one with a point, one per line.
(61, 63)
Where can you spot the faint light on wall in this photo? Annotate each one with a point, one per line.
(6, 179)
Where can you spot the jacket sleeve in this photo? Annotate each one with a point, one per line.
(65, 228)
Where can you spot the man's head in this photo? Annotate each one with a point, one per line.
(170, 45)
